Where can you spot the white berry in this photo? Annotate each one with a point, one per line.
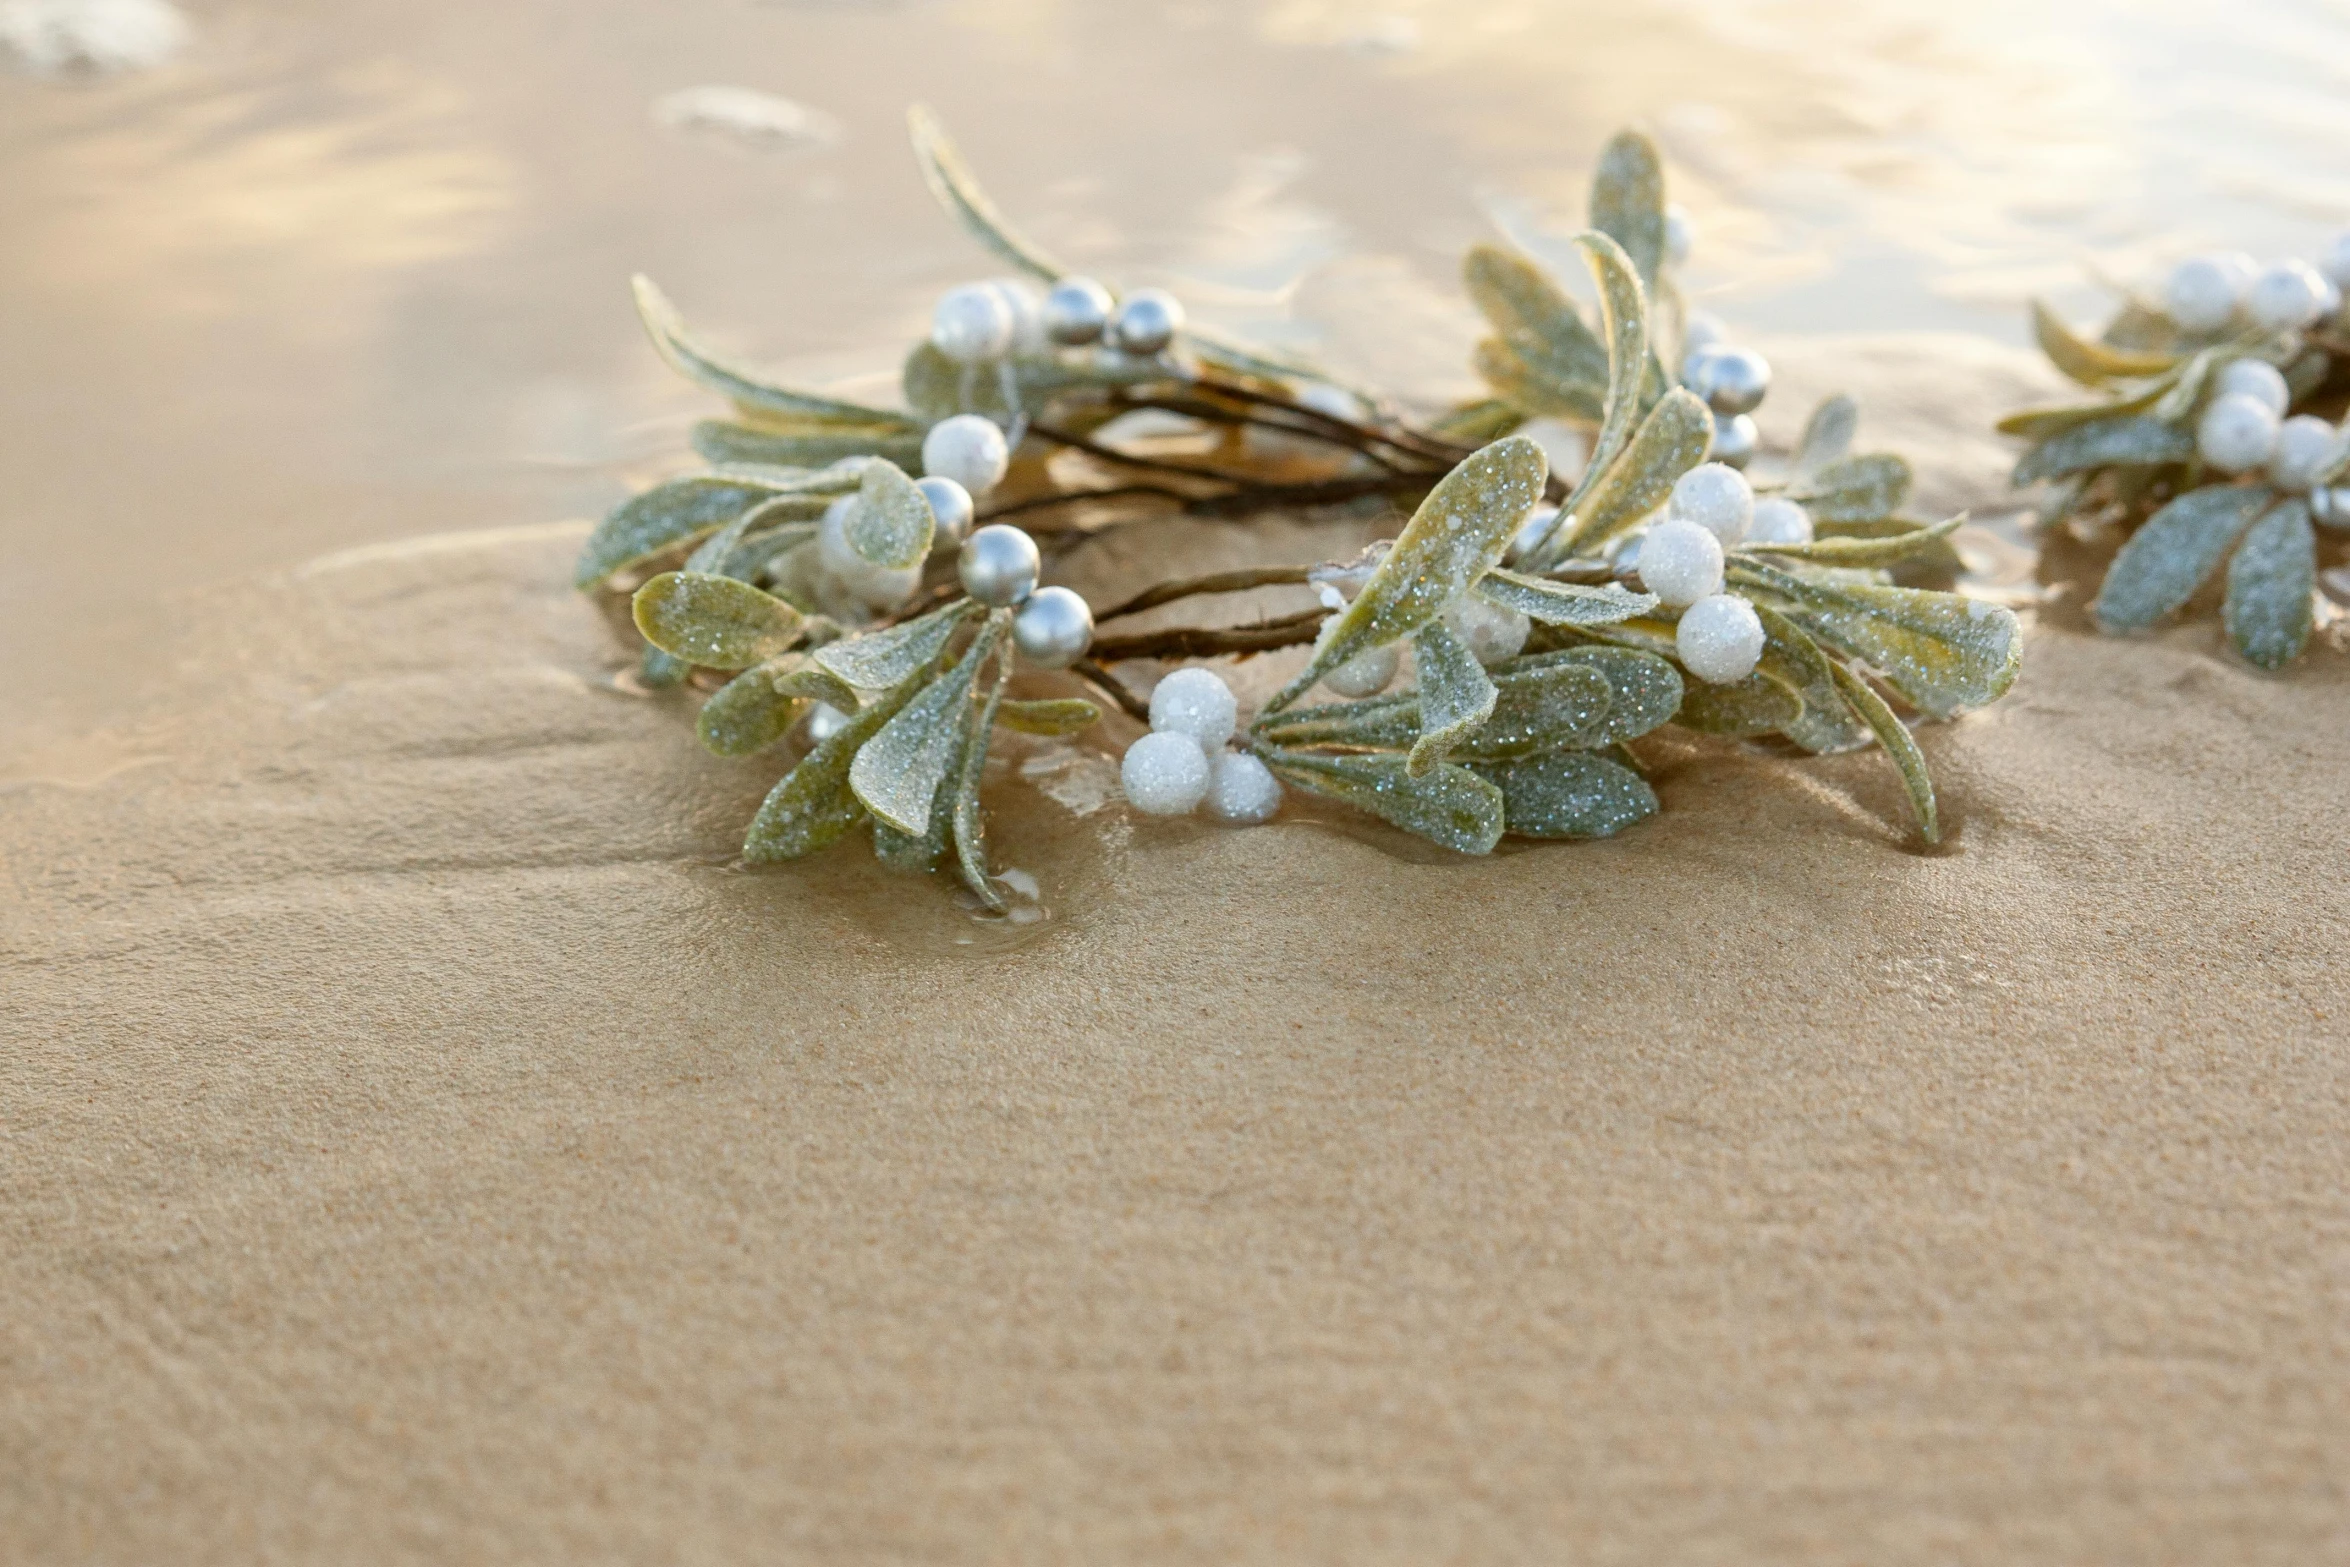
(1164, 774)
(2237, 433)
(1681, 562)
(2203, 293)
(1778, 520)
(875, 587)
(1493, 632)
(2302, 447)
(2256, 378)
(1026, 304)
(1720, 639)
(971, 324)
(968, 449)
(2285, 297)
(1717, 498)
(2335, 263)
(1241, 789)
(1195, 702)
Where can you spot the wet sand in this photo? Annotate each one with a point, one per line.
(425, 1143)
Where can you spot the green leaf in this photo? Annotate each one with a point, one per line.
(1827, 435)
(1882, 550)
(937, 387)
(1053, 716)
(1475, 424)
(1827, 724)
(1760, 704)
(1456, 695)
(969, 827)
(1448, 805)
(1570, 795)
(2140, 328)
(903, 851)
(1899, 744)
(2271, 581)
(1942, 651)
(1672, 440)
(1855, 489)
(1457, 535)
(2091, 364)
(891, 523)
(898, 772)
(813, 806)
(1542, 702)
(1623, 322)
(662, 518)
(1539, 328)
(748, 391)
(951, 181)
(1562, 603)
(1644, 691)
(748, 713)
(1628, 202)
(713, 621)
(721, 441)
(878, 660)
(2128, 438)
(2174, 552)
(1529, 391)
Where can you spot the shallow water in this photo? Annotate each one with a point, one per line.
(350, 274)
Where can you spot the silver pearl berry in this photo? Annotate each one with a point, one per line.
(1731, 380)
(1053, 628)
(1077, 311)
(1146, 322)
(950, 508)
(1735, 440)
(2329, 506)
(999, 565)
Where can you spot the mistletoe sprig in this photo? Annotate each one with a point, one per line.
(2214, 440)
(1547, 625)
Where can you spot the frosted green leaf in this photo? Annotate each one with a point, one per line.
(1474, 424)
(813, 806)
(662, 518)
(2091, 364)
(1855, 489)
(1539, 328)
(898, 772)
(1899, 744)
(891, 523)
(713, 621)
(952, 182)
(922, 851)
(937, 387)
(723, 442)
(1644, 691)
(970, 829)
(878, 660)
(658, 670)
(1623, 322)
(1672, 440)
(1758, 705)
(1628, 202)
(1051, 716)
(1527, 390)
(1562, 603)
(2127, 438)
(1542, 702)
(2174, 552)
(1827, 435)
(748, 391)
(1570, 795)
(2140, 328)
(1457, 535)
(749, 713)
(2183, 392)
(1883, 550)
(1826, 725)
(2271, 580)
(1943, 651)
(1456, 695)
(1448, 805)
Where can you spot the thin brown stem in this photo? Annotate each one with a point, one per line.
(1207, 641)
(1215, 582)
(1112, 687)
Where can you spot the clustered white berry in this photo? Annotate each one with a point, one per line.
(1720, 639)
(2205, 295)
(1717, 498)
(1680, 561)
(1184, 762)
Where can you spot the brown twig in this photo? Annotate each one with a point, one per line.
(1112, 687)
(1208, 641)
(1215, 582)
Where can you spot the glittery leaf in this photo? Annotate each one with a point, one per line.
(1827, 724)
(1456, 695)
(2091, 364)
(1570, 795)
(748, 713)
(1541, 334)
(921, 851)
(1623, 322)
(2174, 552)
(891, 522)
(897, 773)
(1049, 716)
(1628, 202)
(1527, 390)
(813, 805)
(1899, 744)
(1827, 436)
(1543, 702)
(970, 828)
(2271, 580)
(722, 441)
(2126, 438)
(1672, 440)
(1449, 805)
(713, 621)
(1562, 603)
(1644, 690)
(1883, 550)
(1758, 705)
(1456, 536)
(2140, 328)
(878, 660)
(1474, 424)
(1855, 489)
(662, 518)
(1942, 651)
(748, 391)
(937, 387)
(951, 181)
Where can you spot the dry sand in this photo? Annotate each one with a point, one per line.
(422, 1144)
